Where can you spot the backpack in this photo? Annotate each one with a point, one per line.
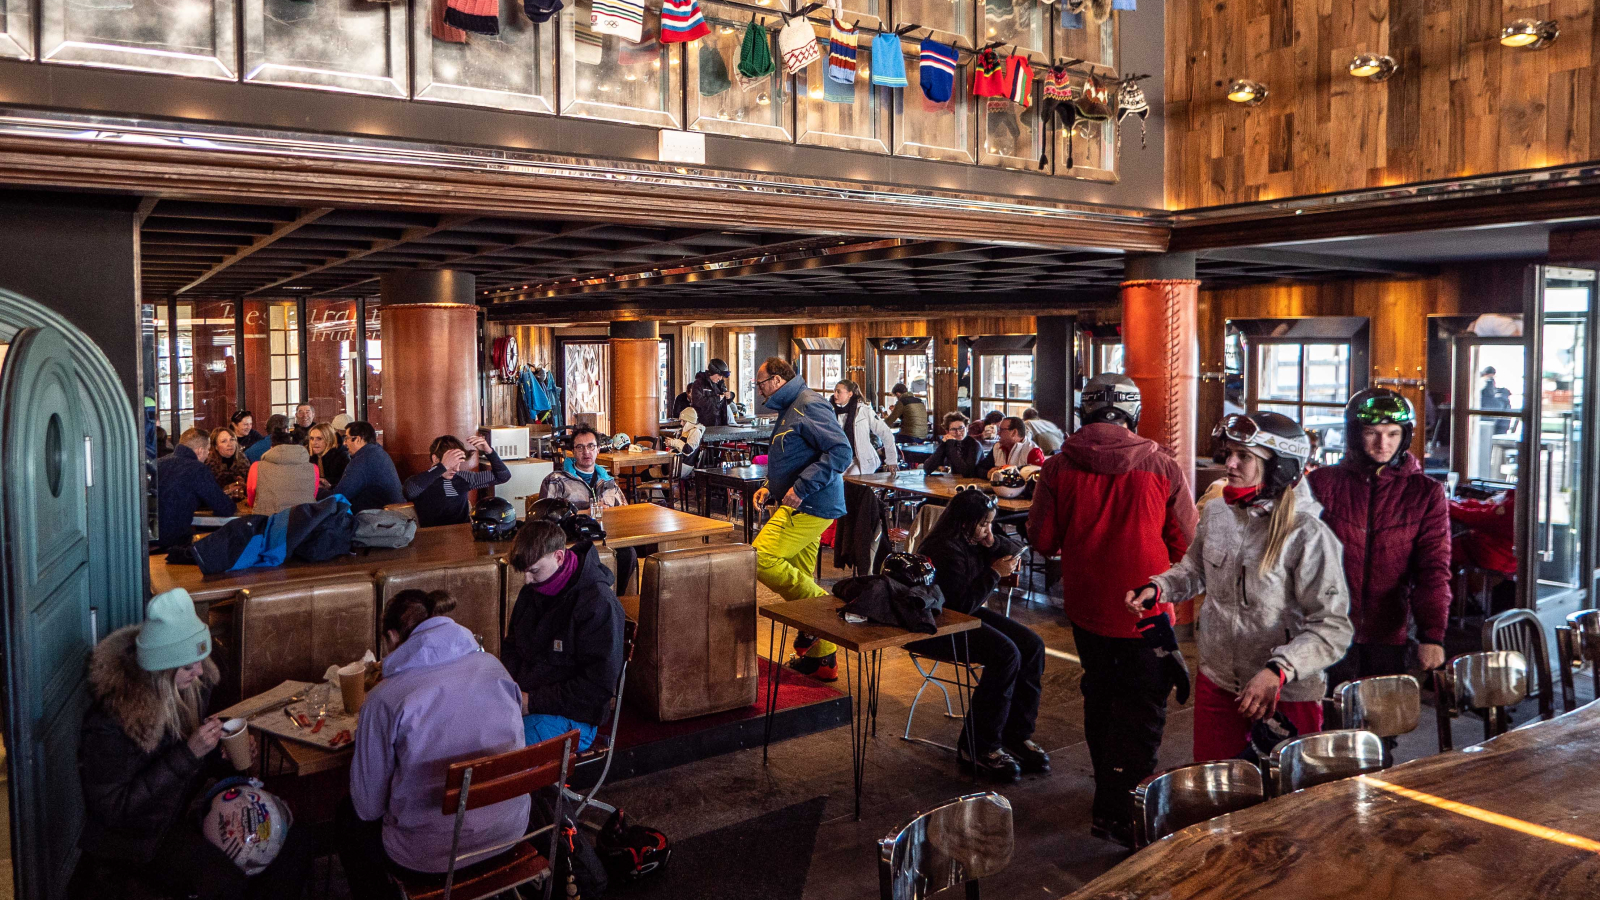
(382, 528)
(579, 872)
(632, 852)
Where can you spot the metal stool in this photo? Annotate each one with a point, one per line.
(956, 843)
(1323, 756)
(1487, 682)
(1386, 705)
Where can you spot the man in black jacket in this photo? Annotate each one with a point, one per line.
(184, 485)
(710, 395)
(440, 493)
(564, 646)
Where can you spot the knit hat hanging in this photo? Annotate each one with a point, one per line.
(713, 70)
(443, 30)
(1056, 107)
(1131, 102)
(474, 16)
(1018, 81)
(798, 44)
(681, 21)
(936, 69)
(540, 11)
(755, 56)
(837, 91)
(623, 18)
(888, 61)
(646, 50)
(841, 52)
(988, 74)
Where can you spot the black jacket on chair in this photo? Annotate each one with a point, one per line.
(565, 650)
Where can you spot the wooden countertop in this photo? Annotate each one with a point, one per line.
(915, 481)
(1513, 817)
(626, 526)
(820, 616)
(625, 460)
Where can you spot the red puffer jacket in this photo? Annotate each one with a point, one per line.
(1395, 528)
(1119, 512)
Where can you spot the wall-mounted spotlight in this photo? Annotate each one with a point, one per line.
(1530, 34)
(1372, 67)
(1250, 93)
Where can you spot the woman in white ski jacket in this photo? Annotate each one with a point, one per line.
(1277, 608)
(860, 424)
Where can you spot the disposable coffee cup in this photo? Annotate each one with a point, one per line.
(236, 742)
(353, 686)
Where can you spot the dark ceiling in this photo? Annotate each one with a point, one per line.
(528, 267)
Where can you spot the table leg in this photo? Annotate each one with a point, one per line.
(963, 688)
(774, 678)
(703, 484)
(749, 513)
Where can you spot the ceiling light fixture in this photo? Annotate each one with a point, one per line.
(1530, 34)
(1373, 67)
(1250, 93)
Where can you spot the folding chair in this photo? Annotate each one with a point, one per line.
(600, 752)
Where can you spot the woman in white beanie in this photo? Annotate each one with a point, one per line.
(146, 751)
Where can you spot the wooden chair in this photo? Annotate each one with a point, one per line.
(409, 510)
(664, 482)
(485, 781)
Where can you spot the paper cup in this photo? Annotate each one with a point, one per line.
(236, 743)
(353, 686)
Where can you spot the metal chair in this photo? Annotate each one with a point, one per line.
(966, 678)
(1386, 705)
(1323, 756)
(605, 744)
(1487, 682)
(1521, 630)
(1174, 799)
(1578, 644)
(953, 844)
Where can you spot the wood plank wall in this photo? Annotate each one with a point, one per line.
(1460, 105)
(1397, 311)
(534, 344)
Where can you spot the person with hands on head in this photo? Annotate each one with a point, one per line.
(805, 472)
(148, 746)
(1277, 610)
(440, 493)
(957, 450)
(1394, 524)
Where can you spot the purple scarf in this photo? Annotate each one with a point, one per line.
(557, 583)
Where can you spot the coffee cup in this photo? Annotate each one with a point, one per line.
(236, 743)
(353, 686)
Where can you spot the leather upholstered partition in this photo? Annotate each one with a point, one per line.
(514, 582)
(297, 631)
(475, 586)
(696, 653)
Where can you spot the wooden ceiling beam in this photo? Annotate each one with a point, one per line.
(305, 218)
(410, 234)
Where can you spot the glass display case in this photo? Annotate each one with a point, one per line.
(856, 117)
(515, 69)
(718, 102)
(932, 130)
(606, 77)
(355, 46)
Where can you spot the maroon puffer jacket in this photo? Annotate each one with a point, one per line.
(1395, 528)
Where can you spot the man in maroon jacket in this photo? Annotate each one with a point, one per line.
(1394, 524)
(1119, 511)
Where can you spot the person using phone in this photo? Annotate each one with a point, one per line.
(1277, 610)
(969, 561)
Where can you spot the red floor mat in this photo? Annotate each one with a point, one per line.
(794, 690)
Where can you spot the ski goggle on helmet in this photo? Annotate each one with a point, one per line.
(1245, 430)
(1383, 409)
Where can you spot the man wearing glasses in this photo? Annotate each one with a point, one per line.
(805, 471)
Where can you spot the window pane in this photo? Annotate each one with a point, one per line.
(934, 130)
(747, 369)
(947, 17)
(664, 363)
(857, 116)
(1326, 425)
(1280, 372)
(1021, 23)
(1287, 409)
(604, 76)
(1327, 372)
(717, 101)
(331, 358)
(1492, 447)
(1019, 376)
(1502, 388)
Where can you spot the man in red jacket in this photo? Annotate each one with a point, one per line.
(1119, 511)
(1394, 524)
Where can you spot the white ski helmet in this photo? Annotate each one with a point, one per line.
(245, 822)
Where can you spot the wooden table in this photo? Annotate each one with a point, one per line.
(914, 481)
(744, 479)
(628, 465)
(302, 759)
(819, 616)
(1512, 817)
(646, 523)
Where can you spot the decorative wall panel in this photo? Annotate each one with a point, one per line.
(949, 19)
(1008, 134)
(1088, 40)
(177, 37)
(515, 69)
(717, 102)
(606, 77)
(1018, 23)
(931, 130)
(356, 46)
(858, 119)
(16, 29)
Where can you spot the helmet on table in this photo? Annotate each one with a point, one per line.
(1277, 439)
(1111, 397)
(494, 519)
(910, 569)
(245, 822)
(578, 526)
(1008, 481)
(1378, 406)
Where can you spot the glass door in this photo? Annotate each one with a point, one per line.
(1559, 564)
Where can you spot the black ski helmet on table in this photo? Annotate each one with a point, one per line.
(1111, 397)
(1378, 406)
(494, 519)
(910, 569)
(577, 524)
(1279, 441)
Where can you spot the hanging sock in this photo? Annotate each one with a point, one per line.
(474, 16)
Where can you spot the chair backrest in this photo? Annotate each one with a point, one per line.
(1386, 705)
(1585, 625)
(1172, 800)
(697, 631)
(1489, 679)
(960, 841)
(409, 510)
(1521, 630)
(515, 773)
(474, 585)
(1324, 756)
(927, 516)
(645, 440)
(297, 630)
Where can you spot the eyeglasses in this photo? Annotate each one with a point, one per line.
(760, 381)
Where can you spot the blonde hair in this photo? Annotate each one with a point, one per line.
(181, 712)
(328, 436)
(1278, 528)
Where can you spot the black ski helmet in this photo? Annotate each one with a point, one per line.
(1111, 397)
(1378, 406)
(494, 519)
(578, 525)
(1284, 442)
(910, 569)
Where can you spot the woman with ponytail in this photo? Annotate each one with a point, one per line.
(1277, 610)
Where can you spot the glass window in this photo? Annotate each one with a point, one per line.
(1009, 135)
(1309, 383)
(717, 102)
(587, 365)
(931, 130)
(822, 369)
(355, 47)
(1108, 357)
(197, 38)
(911, 368)
(1005, 383)
(374, 338)
(212, 363)
(1023, 24)
(664, 364)
(949, 19)
(331, 358)
(747, 369)
(515, 69)
(606, 77)
(858, 117)
(1093, 42)
(271, 358)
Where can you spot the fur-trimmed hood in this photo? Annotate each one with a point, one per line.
(128, 693)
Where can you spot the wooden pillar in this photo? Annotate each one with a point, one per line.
(430, 362)
(636, 378)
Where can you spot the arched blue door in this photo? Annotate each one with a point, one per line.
(45, 440)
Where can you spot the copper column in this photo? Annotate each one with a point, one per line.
(635, 389)
(430, 362)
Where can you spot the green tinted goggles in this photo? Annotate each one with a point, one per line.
(1385, 411)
